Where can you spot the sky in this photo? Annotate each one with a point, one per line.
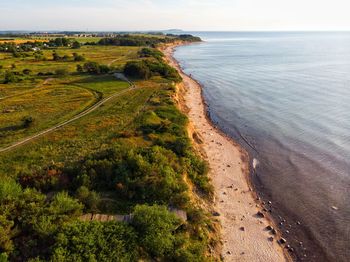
(189, 15)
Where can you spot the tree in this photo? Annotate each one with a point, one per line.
(76, 45)
(10, 77)
(137, 69)
(155, 226)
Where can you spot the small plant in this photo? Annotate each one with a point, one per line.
(61, 72)
(27, 121)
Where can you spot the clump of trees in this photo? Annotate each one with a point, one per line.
(151, 52)
(94, 68)
(145, 40)
(56, 234)
(147, 68)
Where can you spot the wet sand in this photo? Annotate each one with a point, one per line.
(243, 233)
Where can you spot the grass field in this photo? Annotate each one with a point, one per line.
(53, 99)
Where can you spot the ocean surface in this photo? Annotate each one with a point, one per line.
(286, 98)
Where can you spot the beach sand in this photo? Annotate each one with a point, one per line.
(243, 233)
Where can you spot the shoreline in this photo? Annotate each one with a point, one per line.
(243, 232)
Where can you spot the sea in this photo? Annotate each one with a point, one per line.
(285, 97)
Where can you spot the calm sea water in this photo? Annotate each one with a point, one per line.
(286, 98)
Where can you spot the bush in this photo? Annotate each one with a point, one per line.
(10, 77)
(61, 72)
(78, 58)
(27, 121)
(27, 71)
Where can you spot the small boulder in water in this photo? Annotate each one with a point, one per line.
(334, 208)
(260, 214)
(282, 241)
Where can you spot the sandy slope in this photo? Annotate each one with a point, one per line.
(243, 234)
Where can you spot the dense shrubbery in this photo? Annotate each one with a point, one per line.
(57, 235)
(94, 241)
(146, 68)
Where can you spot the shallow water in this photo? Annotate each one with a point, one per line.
(286, 98)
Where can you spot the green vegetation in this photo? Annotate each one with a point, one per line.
(131, 155)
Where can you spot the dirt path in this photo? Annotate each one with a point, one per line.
(244, 233)
(78, 116)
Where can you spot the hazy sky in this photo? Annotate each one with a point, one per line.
(183, 14)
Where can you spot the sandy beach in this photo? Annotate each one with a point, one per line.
(243, 232)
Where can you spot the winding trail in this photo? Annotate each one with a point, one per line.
(78, 116)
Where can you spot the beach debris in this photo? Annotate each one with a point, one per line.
(300, 243)
(273, 231)
(334, 208)
(216, 214)
(230, 186)
(260, 214)
(280, 223)
(270, 239)
(224, 193)
(255, 163)
(228, 253)
(298, 223)
(242, 228)
(282, 241)
(269, 202)
(287, 231)
(242, 253)
(228, 165)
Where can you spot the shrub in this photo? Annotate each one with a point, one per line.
(61, 72)
(27, 121)
(10, 77)
(27, 71)
(78, 58)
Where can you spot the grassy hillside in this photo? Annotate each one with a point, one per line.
(131, 155)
